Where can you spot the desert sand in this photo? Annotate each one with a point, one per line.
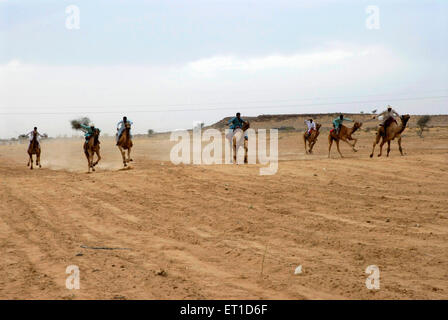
(224, 231)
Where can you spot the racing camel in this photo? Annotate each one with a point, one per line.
(345, 134)
(394, 130)
(34, 148)
(125, 143)
(312, 138)
(238, 140)
(91, 147)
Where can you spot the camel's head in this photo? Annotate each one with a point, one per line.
(318, 125)
(357, 125)
(405, 118)
(246, 126)
(96, 132)
(127, 125)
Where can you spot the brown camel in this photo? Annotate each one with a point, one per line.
(312, 138)
(393, 130)
(34, 148)
(125, 143)
(238, 140)
(345, 134)
(91, 147)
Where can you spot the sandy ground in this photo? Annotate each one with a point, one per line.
(224, 231)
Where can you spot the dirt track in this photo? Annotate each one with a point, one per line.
(208, 227)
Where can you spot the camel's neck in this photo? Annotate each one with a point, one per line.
(126, 135)
(402, 126)
(91, 142)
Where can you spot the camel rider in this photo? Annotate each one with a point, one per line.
(121, 127)
(89, 131)
(337, 123)
(311, 126)
(387, 116)
(235, 123)
(31, 135)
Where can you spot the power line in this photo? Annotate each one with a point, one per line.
(222, 108)
(221, 102)
(239, 102)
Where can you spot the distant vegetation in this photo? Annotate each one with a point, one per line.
(422, 123)
(285, 128)
(150, 132)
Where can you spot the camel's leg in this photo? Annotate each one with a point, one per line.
(337, 145)
(304, 141)
(245, 151)
(31, 161)
(88, 160)
(351, 145)
(399, 146)
(88, 163)
(129, 155)
(381, 147)
(354, 144)
(38, 159)
(91, 160)
(388, 147)
(230, 147)
(311, 146)
(330, 142)
(377, 139)
(234, 150)
(98, 158)
(123, 155)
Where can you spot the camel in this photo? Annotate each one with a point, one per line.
(312, 138)
(125, 143)
(394, 130)
(238, 141)
(345, 134)
(34, 148)
(91, 147)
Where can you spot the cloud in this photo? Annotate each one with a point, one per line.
(320, 58)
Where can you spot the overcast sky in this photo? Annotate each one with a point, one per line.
(165, 64)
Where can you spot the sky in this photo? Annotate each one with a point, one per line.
(166, 64)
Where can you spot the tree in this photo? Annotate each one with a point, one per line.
(150, 132)
(422, 123)
(374, 111)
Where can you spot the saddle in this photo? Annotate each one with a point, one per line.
(386, 125)
(390, 120)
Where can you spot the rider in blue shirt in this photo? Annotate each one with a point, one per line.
(337, 123)
(236, 122)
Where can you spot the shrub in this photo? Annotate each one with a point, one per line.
(422, 123)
